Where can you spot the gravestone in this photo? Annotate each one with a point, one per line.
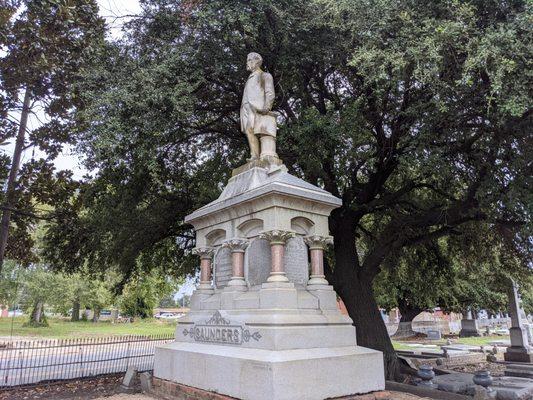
(129, 380)
(222, 267)
(434, 335)
(257, 262)
(296, 261)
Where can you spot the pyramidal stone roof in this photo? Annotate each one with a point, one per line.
(257, 182)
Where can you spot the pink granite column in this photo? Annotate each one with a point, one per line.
(277, 241)
(237, 248)
(316, 247)
(205, 254)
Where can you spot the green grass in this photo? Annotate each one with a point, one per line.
(62, 329)
(472, 341)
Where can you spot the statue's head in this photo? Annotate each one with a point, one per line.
(254, 61)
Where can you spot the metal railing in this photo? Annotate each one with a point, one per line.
(28, 362)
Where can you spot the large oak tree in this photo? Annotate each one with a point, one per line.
(414, 113)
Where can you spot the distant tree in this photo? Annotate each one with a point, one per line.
(85, 290)
(167, 301)
(468, 270)
(141, 295)
(100, 296)
(419, 280)
(42, 287)
(11, 278)
(185, 301)
(43, 48)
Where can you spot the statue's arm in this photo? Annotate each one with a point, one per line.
(269, 91)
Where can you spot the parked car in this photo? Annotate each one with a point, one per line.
(16, 313)
(168, 315)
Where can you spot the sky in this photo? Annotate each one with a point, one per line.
(111, 9)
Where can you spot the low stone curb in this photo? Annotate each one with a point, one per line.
(424, 392)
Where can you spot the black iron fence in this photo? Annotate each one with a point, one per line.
(27, 362)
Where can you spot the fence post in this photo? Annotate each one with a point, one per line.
(81, 357)
(128, 353)
(21, 358)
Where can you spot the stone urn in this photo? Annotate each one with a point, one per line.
(426, 373)
(483, 378)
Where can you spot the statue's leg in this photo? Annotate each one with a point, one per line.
(253, 141)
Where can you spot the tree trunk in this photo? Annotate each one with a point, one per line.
(37, 317)
(11, 182)
(96, 314)
(75, 310)
(355, 290)
(408, 314)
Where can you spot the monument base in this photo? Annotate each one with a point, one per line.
(521, 370)
(518, 354)
(257, 374)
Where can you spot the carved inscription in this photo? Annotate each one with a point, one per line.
(219, 330)
(258, 262)
(296, 261)
(222, 267)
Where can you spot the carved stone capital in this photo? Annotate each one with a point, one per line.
(236, 245)
(316, 242)
(277, 236)
(203, 252)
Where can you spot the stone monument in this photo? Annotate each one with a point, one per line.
(264, 322)
(469, 327)
(519, 350)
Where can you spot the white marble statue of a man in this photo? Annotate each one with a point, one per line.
(256, 117)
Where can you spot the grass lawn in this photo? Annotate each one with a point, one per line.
(62, 329)
(472, 341)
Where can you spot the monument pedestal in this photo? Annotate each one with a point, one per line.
(268, 329)
(243, 373)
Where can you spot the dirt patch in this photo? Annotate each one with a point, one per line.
(494, 368)
(79, 389)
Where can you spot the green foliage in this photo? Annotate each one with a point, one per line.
(167, 301)
(11, 277)
(41, 285)
(420, 281)
(142, 294)
(470, 269)
(43, 47)
(37, 286)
